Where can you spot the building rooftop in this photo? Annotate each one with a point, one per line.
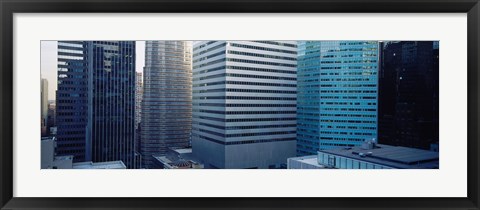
(66, 157)
(305, 162)
(100, 165)
(183, 150)
(176, 162)
(311, 160)
(393, 156)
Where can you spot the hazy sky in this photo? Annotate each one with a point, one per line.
(48, 59)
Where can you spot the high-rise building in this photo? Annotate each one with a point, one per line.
(72, 99)
(166, 115)
(408, 94)
(44, 106)
(138, 118)
(138, 98)
(244, 103)
(96, 100)
(111, 124)
(51, 116)
(337, 94)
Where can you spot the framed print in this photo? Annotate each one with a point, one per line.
(252, 105)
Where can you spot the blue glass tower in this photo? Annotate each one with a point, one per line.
(96, 100)
(71, 99)
(111, 101)
(337, 94)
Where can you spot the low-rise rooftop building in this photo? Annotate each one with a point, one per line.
(49, 159)
(176, 158)
(305, 162)
(100, 165)
(369, 156)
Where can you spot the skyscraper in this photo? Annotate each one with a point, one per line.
(408, 94)
(244, 103)
(111, 116)
(167, 98)
(96, 100)
(44, 106)
(337, 94)
(51, 117)
(138, 98)
(72, 99)
(138, 117)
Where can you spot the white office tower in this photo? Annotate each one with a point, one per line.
(244, 103)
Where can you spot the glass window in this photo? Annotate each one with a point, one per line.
(370, 166)
(363, 165)
(349, 164)
(356, 164)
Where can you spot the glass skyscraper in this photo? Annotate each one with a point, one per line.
(167, 98)
(409, 94)
(96, 100)
(244, 103)
(337, 94)
(72, 99)
(138, 98)
(111, 117)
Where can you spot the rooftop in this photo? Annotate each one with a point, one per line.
(183, 150)
(310, 160)
(66, 157)
(100, 165)
(394, 156)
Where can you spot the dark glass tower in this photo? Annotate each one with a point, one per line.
(408, 94)
(111, 117)
(96, 100)
(166, 117)
(71, 99)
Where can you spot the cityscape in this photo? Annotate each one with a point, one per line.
(168, 104)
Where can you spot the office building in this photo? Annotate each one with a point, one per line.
(138, 118)
(44, 106)
(408, 112)
(96, 100)
(166, 115)
(369, 156)
(244, 103)
(51, 116)
(49, 158)
(138, 98)
(72, 99)
(337, 94)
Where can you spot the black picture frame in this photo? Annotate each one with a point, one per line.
(10, 7)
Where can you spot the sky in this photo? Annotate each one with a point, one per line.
(48, 60)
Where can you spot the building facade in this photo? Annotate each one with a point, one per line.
(44, 106)
(72, 99)
(368, 156)
(96, 100)
(111, 117)
(409, 94)
(138, 98)
(51, 117)
(244, 103)
(337, 94)
(166, 117)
